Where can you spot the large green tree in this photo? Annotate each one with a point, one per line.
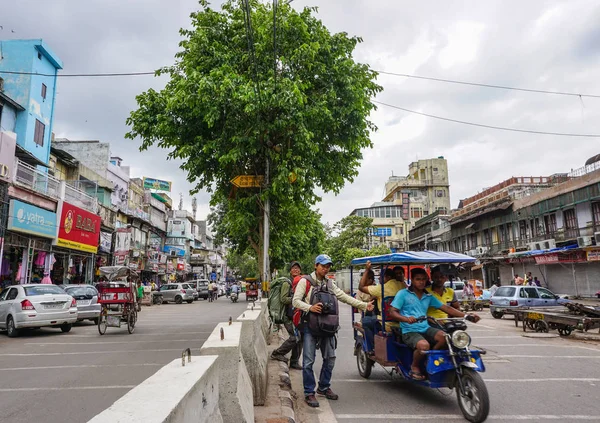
(242, 94)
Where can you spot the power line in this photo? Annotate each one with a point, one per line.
(64, 75)
(501, 128)
(476, 84)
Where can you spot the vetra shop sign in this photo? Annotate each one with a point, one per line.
(78, 229)
(30, 219)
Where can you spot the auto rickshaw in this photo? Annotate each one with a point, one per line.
(251, 289)
(457, 367)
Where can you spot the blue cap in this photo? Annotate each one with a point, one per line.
(323, 259)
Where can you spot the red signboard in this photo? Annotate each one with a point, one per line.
(546, 259)
(78, 229)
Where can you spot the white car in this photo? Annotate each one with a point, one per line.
(36, 306)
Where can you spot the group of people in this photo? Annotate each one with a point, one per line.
(313, 296)
(213, 291)
(529, 280)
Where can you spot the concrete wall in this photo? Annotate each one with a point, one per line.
(192, 396)
(32, 56)
(8, 119)
(235, 387)
(254, 351)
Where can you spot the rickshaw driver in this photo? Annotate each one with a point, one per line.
(445, 294)
(408, 305)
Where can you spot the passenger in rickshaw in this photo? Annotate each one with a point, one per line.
(372, 324)
(399, 275)
(412, 303)
(446, 295)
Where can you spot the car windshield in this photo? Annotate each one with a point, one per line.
(505, 291)
(43, 290)
(79, 290)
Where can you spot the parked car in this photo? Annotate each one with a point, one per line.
(175, 292)
(222, 289)
(507, 297)
(194, 290)
(86, 296)
(201, 286)
(35, 306)
(457, 286)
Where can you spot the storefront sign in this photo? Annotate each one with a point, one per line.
(174, 251)
(566, 257)
(78, 229)
(593, 255)
(546, 259)
(105, 242)
(23, 217)
(157, 184)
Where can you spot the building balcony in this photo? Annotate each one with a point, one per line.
(41, 182)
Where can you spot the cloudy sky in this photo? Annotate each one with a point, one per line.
(544, 45)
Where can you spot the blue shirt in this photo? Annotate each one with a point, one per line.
(235, 288)
(408, 304)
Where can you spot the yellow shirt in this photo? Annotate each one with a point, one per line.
(446, 298)
(390, 289)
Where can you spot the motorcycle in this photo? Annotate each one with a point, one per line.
(157, 297)
(233, 297)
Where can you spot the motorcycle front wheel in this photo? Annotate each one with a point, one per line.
(475, 403)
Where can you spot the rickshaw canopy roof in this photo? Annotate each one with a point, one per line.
(415, 257)
(116, 272)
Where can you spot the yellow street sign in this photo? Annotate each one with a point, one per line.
(248, 181)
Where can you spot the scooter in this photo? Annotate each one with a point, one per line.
(233, 297)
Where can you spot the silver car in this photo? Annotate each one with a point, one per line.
(86, 296)
(191, 285)
(175, 292)
(36, 306)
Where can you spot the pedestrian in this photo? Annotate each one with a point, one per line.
(215, 292)
(518, 280)
(536, 281)
(310, 295)
(468, 292)
(140, 295)
(294, 341)
(210, 292)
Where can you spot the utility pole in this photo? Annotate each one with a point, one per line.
(266, 228)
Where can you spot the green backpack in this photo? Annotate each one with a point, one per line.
(276, 307)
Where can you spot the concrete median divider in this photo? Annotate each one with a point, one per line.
(235, 387)
(254, 351)
(264, 316)
(174, 394)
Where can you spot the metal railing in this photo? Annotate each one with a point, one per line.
(81, 199)
(584, 170)
(36, 180)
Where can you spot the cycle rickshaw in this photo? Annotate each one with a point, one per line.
(117, 297)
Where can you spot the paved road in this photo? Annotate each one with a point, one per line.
(47, 376)
(527, 379)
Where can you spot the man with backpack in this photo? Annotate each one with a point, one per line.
(294, 342)
(317, 297)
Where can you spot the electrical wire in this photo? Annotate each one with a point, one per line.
(476, 84)
(501, 128)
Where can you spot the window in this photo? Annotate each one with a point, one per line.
(550, 223)
(522, 230)
(38, 136)
(44, 88)
(415, 213)
(435, 169)
(487, 239)
(529, 292)
(12, 294)
(570, 219)
(545, 294)
(595, 212)
(439, 193)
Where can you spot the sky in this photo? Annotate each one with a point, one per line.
(542, 45)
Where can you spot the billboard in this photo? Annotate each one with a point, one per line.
(78, 229)
(25, 218)
(157, 184)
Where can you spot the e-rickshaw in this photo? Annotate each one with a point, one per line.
(117, 297)
(251, 289)
(457, 367)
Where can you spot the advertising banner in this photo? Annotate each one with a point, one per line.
(105, 242)
(157, 184)
(122, 245)
(25, 218)
(78, 229)
(593, 255)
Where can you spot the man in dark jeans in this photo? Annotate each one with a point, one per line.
(294, 341)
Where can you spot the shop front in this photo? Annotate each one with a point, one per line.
(76, 245)
(26, 249)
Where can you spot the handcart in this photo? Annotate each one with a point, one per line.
(475, 305)
(117, 296)
(544, 320)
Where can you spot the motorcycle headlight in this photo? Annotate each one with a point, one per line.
(461, 339)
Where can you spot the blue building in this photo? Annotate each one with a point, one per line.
(28, 73)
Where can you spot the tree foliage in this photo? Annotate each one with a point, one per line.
(243, 265)
(229, 106)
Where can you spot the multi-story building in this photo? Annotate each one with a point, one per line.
(431, 233)
(388, 226)
(34, 94)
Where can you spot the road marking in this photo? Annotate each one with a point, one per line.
(547, 357)
(112, 342)
(326, 414)
(86, 352)
(389, 417)
(81, 365)
(137, 334)
(68, 388)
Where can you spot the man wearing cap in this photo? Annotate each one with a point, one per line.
(294, 341)
(328, 344)
(446, 295)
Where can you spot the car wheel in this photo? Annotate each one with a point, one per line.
(189, 301)
(11, 331)
(497, 315)
(66, 327)
(96, 320)
(178, 299)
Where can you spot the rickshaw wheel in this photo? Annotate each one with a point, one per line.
(131, 318)
(565, 330)
(475, 405)
(102, 323)
(541, 326)
(530, 324)
(364, 363)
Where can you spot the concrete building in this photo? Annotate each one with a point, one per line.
(431, 233)
(388, 226)
(36, 94)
